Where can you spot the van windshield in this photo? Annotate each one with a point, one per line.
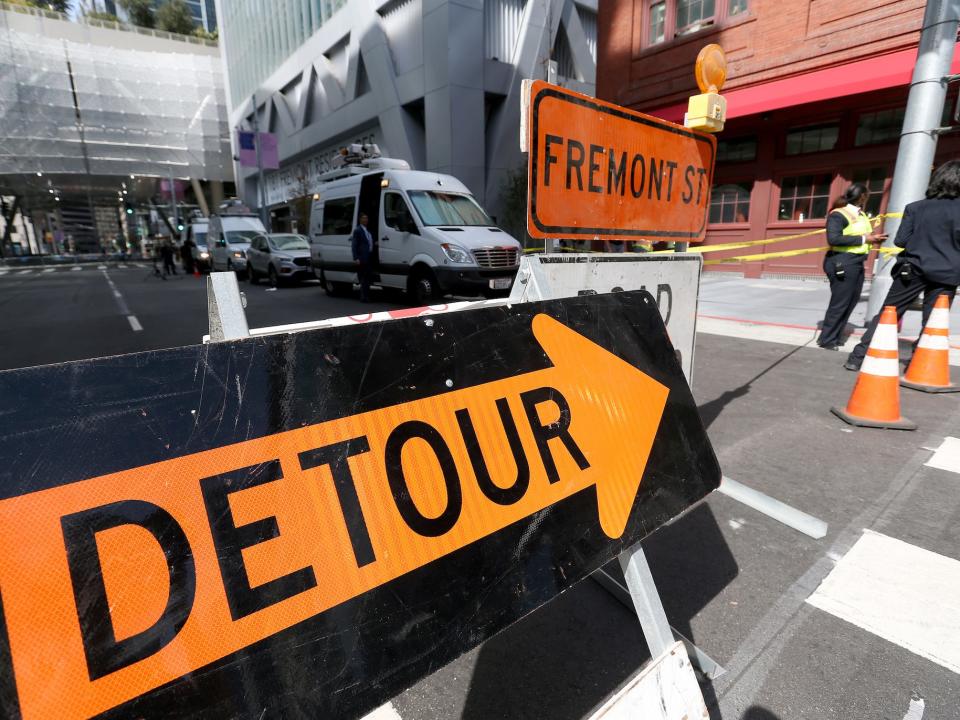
(240, 237)
(441, 208)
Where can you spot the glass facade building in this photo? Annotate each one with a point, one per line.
(104, 102)
(204, 13)
(264, 34)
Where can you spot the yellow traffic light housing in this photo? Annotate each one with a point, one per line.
(708, 111)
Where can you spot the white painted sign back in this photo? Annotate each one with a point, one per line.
(673, 280)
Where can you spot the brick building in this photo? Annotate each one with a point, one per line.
(816, 92)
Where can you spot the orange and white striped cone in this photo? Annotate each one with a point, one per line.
(875, 400)
(929, 369)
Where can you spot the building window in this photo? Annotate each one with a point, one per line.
(804, 197)
(730, 203)
(693, 14)
(737, 150)
(658, 17)
(667, 19)
(875, 179)
(879, 127)
(816, 138)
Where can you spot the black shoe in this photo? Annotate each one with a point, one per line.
(833, 346)
(850, 365)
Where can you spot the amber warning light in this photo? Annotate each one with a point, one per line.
(598, 171)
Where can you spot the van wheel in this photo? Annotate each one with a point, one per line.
(422, 288)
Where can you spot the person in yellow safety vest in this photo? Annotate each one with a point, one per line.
(850, 235)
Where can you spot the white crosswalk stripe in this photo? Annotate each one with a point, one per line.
(68, 268)
(880, 584)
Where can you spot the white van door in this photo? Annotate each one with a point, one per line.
(333, 254)
(398, 239)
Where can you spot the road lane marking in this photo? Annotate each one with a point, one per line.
(384, 712)
(76, 269)
(24, 272)
(882, 584)
(947, 456)
(122, 304)
(50, 270)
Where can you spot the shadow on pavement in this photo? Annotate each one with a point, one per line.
(711, 410)
(563, 660)
(755, 712)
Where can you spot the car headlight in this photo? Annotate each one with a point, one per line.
(204, 256)
(456, 254)
(238, 254)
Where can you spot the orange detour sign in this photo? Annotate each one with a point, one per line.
(139, 591)
(598, 171)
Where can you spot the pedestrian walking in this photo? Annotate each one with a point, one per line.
(930, 262)
(155, 258)
(186, 255)
(361, 243)
(166, 252)
(849, 234)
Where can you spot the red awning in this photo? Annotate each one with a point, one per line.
(875, 73)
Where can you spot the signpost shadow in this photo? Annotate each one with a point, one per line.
(578, 650)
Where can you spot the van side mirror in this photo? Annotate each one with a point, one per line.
(411, 227)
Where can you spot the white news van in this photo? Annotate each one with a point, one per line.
(230, 231)
(430, 235)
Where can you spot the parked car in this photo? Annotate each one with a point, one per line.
(278, 257)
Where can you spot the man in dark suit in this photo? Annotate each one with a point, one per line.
(930, 262)
(361, 243)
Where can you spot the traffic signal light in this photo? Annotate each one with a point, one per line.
(128, 208)
(179, 227)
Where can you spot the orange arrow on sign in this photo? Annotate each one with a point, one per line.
(116, 585)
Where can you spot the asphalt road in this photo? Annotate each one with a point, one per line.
(63, 315)
(733, 580)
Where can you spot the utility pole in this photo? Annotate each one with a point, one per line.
(261, 191)
(918, 139)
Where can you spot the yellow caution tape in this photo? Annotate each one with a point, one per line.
(753, 243)
(765, 256)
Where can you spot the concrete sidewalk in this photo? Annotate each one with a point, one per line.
(789, 311)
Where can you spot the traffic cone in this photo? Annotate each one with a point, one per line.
(875, 400)
(929, 369)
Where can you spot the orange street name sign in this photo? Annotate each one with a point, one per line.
(598, 171)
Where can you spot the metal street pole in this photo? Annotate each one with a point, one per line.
(918, 140)
(261, 191)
